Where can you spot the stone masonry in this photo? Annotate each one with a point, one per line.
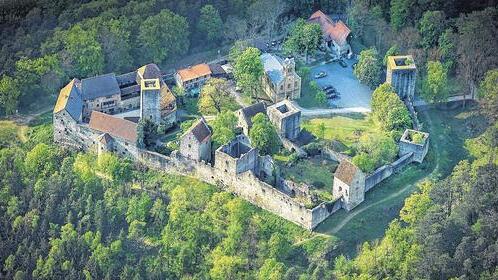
(286, 118)
(402, 75)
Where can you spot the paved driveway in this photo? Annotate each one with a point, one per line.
(353, 94)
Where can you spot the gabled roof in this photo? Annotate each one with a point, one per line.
(167, 96)
(70, 100)
(194, 72)
(200, 131)
(332, 30)
(346, 172)
(116, 127)
(99, 86)
(148, 71)
(251, 111)
(105, 138)
(216, 69)
(273, 67)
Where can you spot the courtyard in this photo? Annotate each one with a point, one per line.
(352, 93)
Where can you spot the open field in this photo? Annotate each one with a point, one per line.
(368, 222)
(345, 129)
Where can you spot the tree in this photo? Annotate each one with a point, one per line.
(389, 112)
(447, 46)
(393, 50)
(84, 51)
(271, 270)
(158, 45)
(224, 127)
(235, 28)
(216, 97)
(248, 70)
(320, 97)
(263, 135)
(477, 33)
(435, 83)
(43, 73)
(265, 14)
(304, 38)
(115, 38)
(488, 93)
(400, 10)
(374, 151)
(210, 24)
(9, 94)
(431, 26)
(368, 69)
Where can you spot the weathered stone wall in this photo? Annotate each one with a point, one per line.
(419, 151)
(387, 170)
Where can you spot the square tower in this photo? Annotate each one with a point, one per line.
(401, 75)
(349, 185)
(286, 118)
(150, 100)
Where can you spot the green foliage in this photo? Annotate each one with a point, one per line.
(216, 97)
(263, 135)
(248, 70)
(431, 26)
(320, 97)
(271, 270)
(304, 38)
(368, 69)
(399, 13)
(447, 46)
(9, 94)
(393, 50)
(84, 51)
(488, 92)
(159, 46)
(435, 84)
(224, 127)
(389, 111)
(210, 23)
(375, 151)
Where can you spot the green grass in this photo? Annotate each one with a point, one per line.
(345, 129)
(448, 131)
(308, 99)
(10, 133)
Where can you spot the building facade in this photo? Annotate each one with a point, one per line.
(335, 34)
(280, 80)
(193, 77)
(195, 144)
(349, 185)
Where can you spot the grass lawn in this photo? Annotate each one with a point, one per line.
(367, 222)
(345, 129)
(315, 172)
(308, 99)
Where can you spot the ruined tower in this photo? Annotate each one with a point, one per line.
(150, 100)
(401, 75)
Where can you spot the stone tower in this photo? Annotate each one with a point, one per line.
(349, 185)
(401, 75)
(289, 66)
(150, 100)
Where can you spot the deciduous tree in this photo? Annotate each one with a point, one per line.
(435, 84)
(248, 70)
(263, 135)
(224, 127)
(210, 24)
(368, 69)
(216, 97)
(304, 38)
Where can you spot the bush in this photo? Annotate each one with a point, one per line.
(375, 151)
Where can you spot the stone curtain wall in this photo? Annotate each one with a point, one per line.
(247, 186)
(387, 170)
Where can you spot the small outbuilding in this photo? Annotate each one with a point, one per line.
(195, 144)
(349, 184)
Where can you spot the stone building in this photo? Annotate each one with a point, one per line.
(402, 75)
(193, 77)
(416, 142)
(246, 114)
(335, 34)
(195, 144)
(67, 115)
(349, 183)
(237, 156)
(121, 135)
(280, 80)
(286, 118)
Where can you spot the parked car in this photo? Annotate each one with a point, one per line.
(321, 74)
(327, 88)
(332, 96)
(343, 63)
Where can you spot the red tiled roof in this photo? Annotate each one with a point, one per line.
(346, 171)
(336, 31)
(116, 127)
(193, 72)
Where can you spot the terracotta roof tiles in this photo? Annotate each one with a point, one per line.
(194, 72)
(332, 30)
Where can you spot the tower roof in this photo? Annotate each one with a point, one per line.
(401, 62)
(346, 172)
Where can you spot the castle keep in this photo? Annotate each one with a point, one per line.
(402, 74)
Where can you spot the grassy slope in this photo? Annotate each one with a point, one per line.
(448, 131)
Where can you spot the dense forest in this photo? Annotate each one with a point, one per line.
(67, 215)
